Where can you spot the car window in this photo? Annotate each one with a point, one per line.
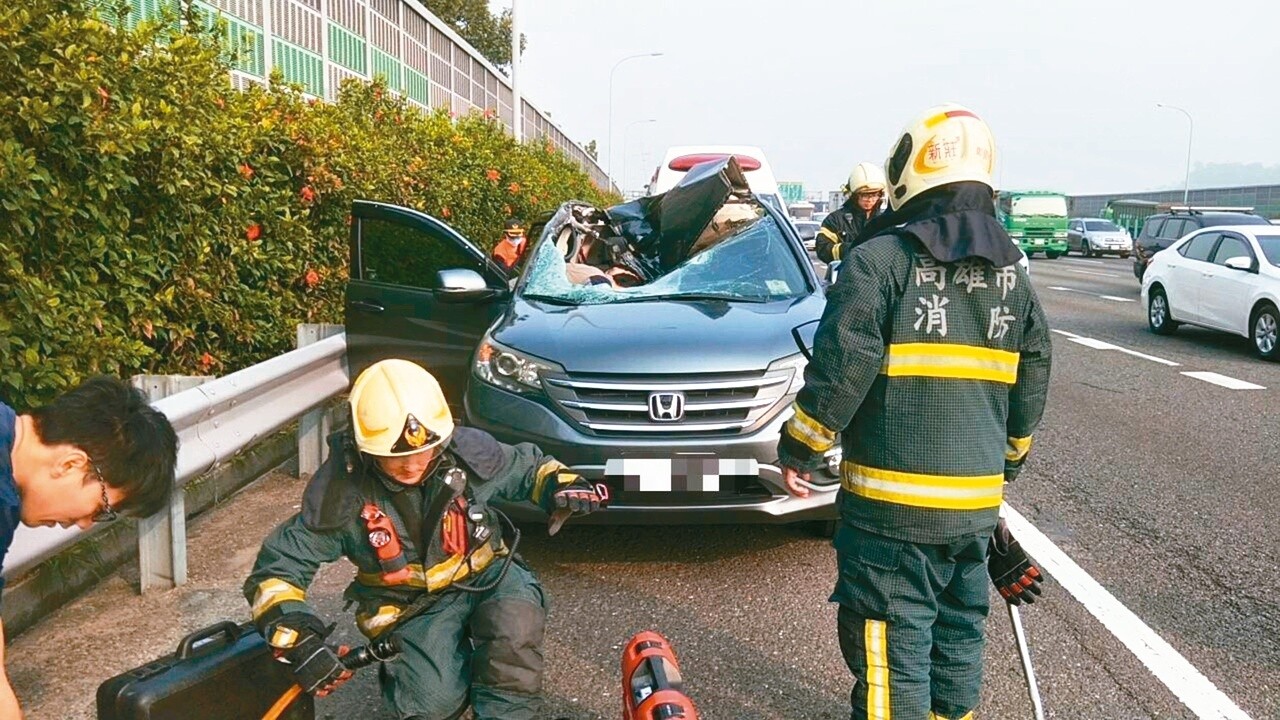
(1270, 248)
(1151, 228)
(1199, 247)
(1175, 228)
(754, 265)
(1230, 247)
(1101, 226)
(1074, 225)
(410, 255)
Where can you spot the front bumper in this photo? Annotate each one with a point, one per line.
(1030, 246)
(764, 499)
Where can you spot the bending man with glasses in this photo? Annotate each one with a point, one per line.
(94, 453)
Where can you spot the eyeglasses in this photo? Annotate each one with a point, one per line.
(870, 193)
(107, 513)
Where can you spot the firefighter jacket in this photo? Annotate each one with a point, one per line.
(931, 363)
(839, 232)
(447, 531)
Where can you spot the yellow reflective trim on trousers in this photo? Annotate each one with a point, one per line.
(812, 433)
(875, 638)
(272, 592)
(545, 470)
(935, 716)
(1017, 448)
(438, 576)
(942, 492)
(946, 360)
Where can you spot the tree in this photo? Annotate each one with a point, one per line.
(488, 33)
(591, 150)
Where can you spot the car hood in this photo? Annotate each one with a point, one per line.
(658, 336)
(1108, 236)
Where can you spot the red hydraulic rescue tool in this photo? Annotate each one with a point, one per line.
(651, 685)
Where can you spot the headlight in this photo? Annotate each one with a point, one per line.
(1016, 233)
(1060, 234)
(796, 365)
(503, 367)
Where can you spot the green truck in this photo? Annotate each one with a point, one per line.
(1035, 219)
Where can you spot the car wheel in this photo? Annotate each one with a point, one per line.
(1266, 332)
(1124, 256)
(1158, 317)
(1085, 250)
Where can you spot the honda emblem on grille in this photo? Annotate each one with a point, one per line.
(666, 406)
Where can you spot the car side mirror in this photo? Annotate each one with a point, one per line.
(463, 285)
(1240, 263)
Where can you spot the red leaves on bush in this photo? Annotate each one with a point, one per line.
(513, 188)
(206, 361)
(253, 232)
(307, 194)
(445, 212)
(104, 96)
(492, 175)
(246, 171)
(311, 279)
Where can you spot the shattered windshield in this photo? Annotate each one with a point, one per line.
(755, 264)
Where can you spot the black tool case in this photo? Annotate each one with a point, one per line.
(223, 672)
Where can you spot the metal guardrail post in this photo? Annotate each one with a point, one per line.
(162, 538)
(314, 426)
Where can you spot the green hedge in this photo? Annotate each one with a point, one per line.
(154, 220)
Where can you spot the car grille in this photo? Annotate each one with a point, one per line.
(619, 405)
(1046, 233)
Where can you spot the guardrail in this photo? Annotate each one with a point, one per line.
(214, 422)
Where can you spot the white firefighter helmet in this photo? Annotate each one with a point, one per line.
(866, 177)
(945, 144)
(397, 408)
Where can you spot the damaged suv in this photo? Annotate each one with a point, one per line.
(654, 346)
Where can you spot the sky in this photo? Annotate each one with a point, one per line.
(1069, 87)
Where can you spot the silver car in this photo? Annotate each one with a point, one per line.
(1095, 236)
(673, 393)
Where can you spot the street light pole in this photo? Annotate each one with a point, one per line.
(1191, 127)
(626, 135)
(517, 102)
(609, 169)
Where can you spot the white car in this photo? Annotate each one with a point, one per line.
(1095, 236)
(1223, 278)
(755, 167)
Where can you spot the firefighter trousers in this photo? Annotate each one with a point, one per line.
(910, 624)
(484, 649)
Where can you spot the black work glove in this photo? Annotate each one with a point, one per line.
(579, 496)
(316, 667)
(298, 640)
(1012, 571)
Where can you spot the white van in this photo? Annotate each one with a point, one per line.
(681, 158)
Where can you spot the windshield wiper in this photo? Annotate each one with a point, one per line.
(550, 299)
(695, 296)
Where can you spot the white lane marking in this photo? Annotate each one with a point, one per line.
(1104, 345)
(1064, 333)
(1224, 381)
(1091, 294)
(1187, 683)
(1092, 272)
(1076, 261)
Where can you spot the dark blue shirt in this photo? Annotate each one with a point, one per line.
(9, 501)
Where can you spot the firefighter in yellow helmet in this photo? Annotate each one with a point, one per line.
(840, 229)
(405, 496)
(930, 367)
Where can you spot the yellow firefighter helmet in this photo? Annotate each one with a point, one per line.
(397, 408)
(945, 144)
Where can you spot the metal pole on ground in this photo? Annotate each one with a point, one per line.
(313, 427)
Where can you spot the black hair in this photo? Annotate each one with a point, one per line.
(132, 443)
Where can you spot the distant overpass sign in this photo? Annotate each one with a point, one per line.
(792, 192)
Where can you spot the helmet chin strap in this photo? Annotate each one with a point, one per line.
(371, 461)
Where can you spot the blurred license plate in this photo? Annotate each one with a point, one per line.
(1039, 242)
(691, 474)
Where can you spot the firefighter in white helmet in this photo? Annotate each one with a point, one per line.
(930, 367)
(405, 496)
(864, 193)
